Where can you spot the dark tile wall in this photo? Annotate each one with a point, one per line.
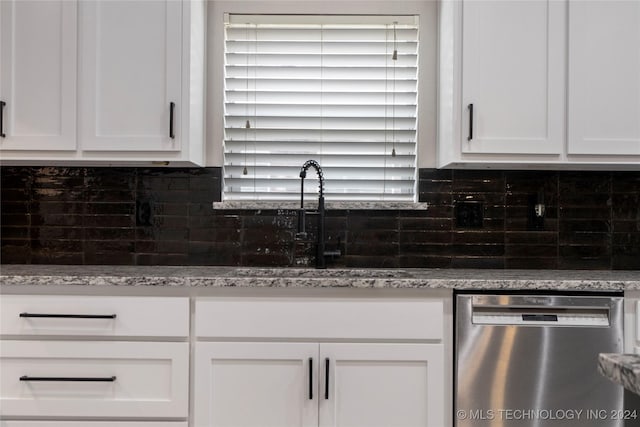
(107, 215)
(144, 216)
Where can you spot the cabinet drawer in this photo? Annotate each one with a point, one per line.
(91, 424)
(320, 318)
(105, 316)
(94, 379)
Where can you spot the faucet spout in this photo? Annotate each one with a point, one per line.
(320, 261)
(303, 174)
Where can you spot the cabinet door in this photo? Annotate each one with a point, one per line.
(80, 379)
(369, 385)
(38, 74)
(256, 384)
(513, 75)
(604, 77)
(130, 71)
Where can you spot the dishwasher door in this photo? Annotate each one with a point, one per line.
(531, 360)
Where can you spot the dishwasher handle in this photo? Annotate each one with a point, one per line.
(540, 317)
(523, 302)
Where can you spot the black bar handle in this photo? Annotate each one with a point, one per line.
(2, 105)
(311, 378)
(172, 107)
(540, 317)
(470, 137)
(69, 379)
(326, 378)
(70, 316)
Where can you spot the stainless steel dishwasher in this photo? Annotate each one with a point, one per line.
(531, 360)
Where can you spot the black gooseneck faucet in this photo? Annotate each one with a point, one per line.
(320, 261)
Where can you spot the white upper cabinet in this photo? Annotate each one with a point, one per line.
(136, 68)
(141, 80)
(38, 75)
(513, 77)
(539, 84)
(604, 77)
(130, 74)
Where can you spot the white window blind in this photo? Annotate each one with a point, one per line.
(325, 88)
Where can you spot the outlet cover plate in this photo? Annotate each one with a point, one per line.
(469, 214)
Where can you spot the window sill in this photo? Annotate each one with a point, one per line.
(311, 204)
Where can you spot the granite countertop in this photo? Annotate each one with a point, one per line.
(623, 369)
(15, 275)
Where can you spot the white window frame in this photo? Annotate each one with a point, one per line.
(426, 10)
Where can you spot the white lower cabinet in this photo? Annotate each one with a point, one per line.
(249, 376)
(328, 384)
(94, 361)
(360, 360)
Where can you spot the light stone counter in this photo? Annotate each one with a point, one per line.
(229, 277)
(623, 369)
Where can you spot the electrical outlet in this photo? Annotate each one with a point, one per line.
(535, 213)
(469, 214)
(143, 213)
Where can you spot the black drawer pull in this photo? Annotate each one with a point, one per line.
(70, 379)
(70, 316)
(311, 378)
(2, 105)
(172, 106)
(326, 378)
(470, 137)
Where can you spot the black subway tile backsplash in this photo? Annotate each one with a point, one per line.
(161, 216)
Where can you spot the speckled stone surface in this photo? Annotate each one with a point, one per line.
(312, 202)
(623, 369)
(16, 275)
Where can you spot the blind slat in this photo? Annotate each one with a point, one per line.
(282, 160)
(303, 135)
(310, 110)
(328, 97)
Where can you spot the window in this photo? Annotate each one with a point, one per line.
(328, 88)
